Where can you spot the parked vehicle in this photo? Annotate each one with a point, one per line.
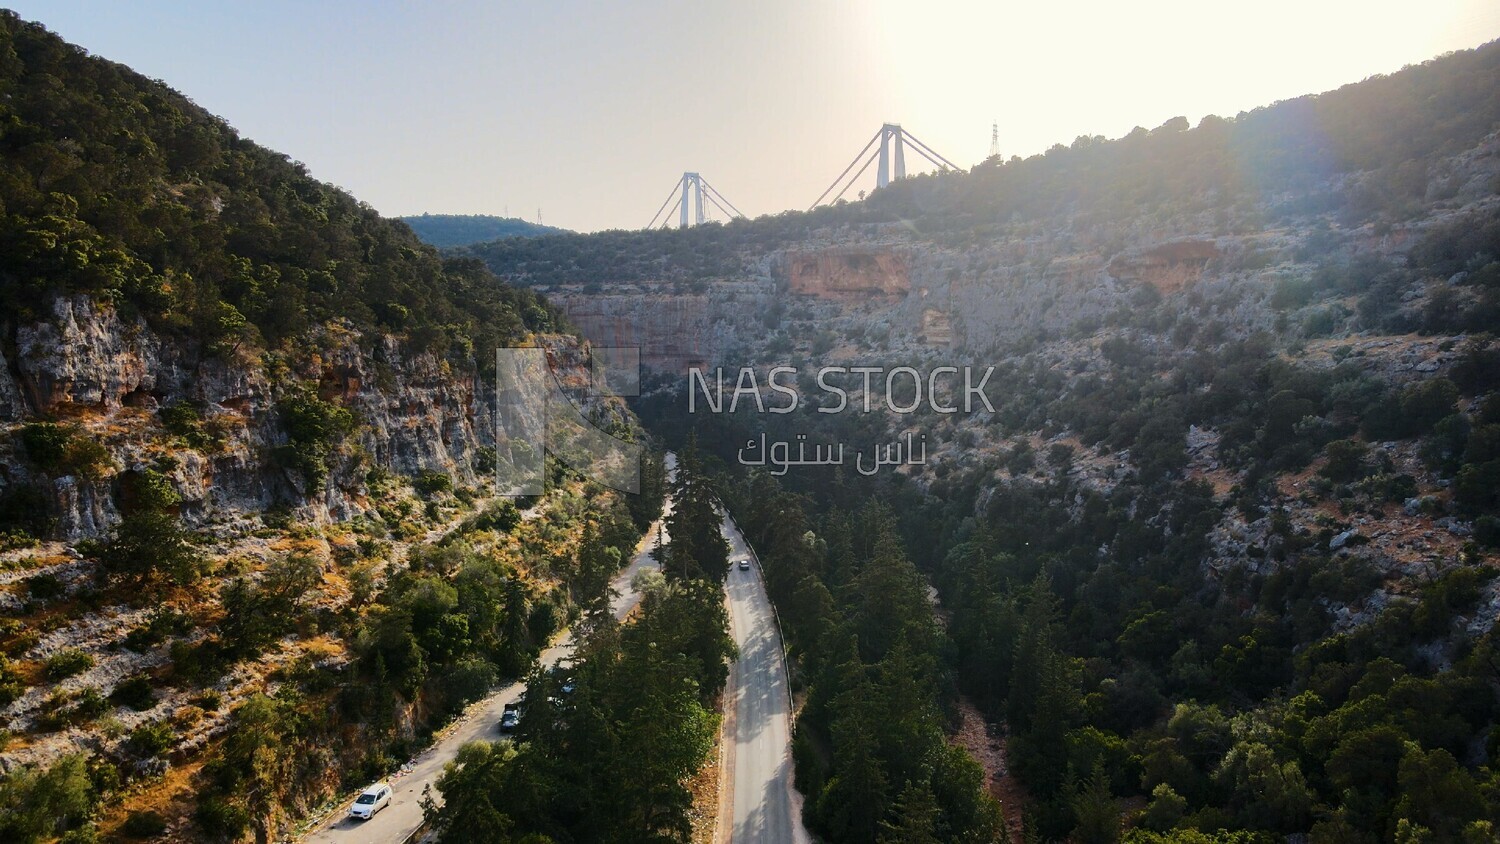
(374, 798)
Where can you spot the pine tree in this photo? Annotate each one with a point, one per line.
(1097, 812)
(596, 566)
(913, 818)
(696, 544)
(854, 801)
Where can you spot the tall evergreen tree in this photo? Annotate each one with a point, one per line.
(696, 546)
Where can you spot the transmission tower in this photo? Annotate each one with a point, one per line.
(994, 139)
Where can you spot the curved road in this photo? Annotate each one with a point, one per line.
(757, 803)
(396, 823)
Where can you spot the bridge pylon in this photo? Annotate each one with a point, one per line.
(892, 141)
(691, 191)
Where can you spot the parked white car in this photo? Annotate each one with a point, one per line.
(374, 798)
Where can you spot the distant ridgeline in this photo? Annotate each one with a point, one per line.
(442, 230)
(1294, 159)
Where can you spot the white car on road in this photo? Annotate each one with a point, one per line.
(374, 798)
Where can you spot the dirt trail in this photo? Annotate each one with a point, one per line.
(986, 743)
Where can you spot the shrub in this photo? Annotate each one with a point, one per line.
(150, 740)
(88, 458)
(66, 663)
(1477, 487)
(61, 451)
(432, 483)
(150, 540)
(1389, 488)
(221, 819)
(22, 642)
(468, 680)
(88, 705)
(500, 516)
(146, 824)
(45, 443)
(40, 805)
(44, 587)
(486, 461)
(164, 622)
(184, 420)
(1425, 403)
(135, 693)
(314, 429)
(1487, 531)
(11, 684)
(1346, 460)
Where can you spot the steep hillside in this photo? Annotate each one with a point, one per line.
(191, 280)
(1223, 557)
(444, 230)
(246, 449)
(1025, 248)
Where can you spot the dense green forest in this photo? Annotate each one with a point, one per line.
(118, 187)
(444, 230)
(1223, 705)
(1225, 702)
(444, 629)
(607, 758)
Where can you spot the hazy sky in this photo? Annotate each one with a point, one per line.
(591, 111)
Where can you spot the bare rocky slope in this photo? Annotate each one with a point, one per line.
(111, 376)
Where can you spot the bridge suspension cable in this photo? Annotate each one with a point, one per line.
(892, 139)
(861, 154)
(670, 197)
(715, 192)
(929, 153)
(868, 162)
(691, 191)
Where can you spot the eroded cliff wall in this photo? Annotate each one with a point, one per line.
(87, 366)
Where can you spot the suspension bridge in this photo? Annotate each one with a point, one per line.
(890, 137)
(690, 193)
(887, 147)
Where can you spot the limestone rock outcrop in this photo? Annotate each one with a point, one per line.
(88, 366)
(851, 273)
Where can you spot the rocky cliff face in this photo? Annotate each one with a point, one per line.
(1051, 294)
(676, 327)
(890, 289)
(918, 295)
(87, 365)
(848, 274)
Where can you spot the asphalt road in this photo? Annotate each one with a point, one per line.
(762, 805)
(395, 823)
(759, 803)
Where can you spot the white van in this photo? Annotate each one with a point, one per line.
(374, 798)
